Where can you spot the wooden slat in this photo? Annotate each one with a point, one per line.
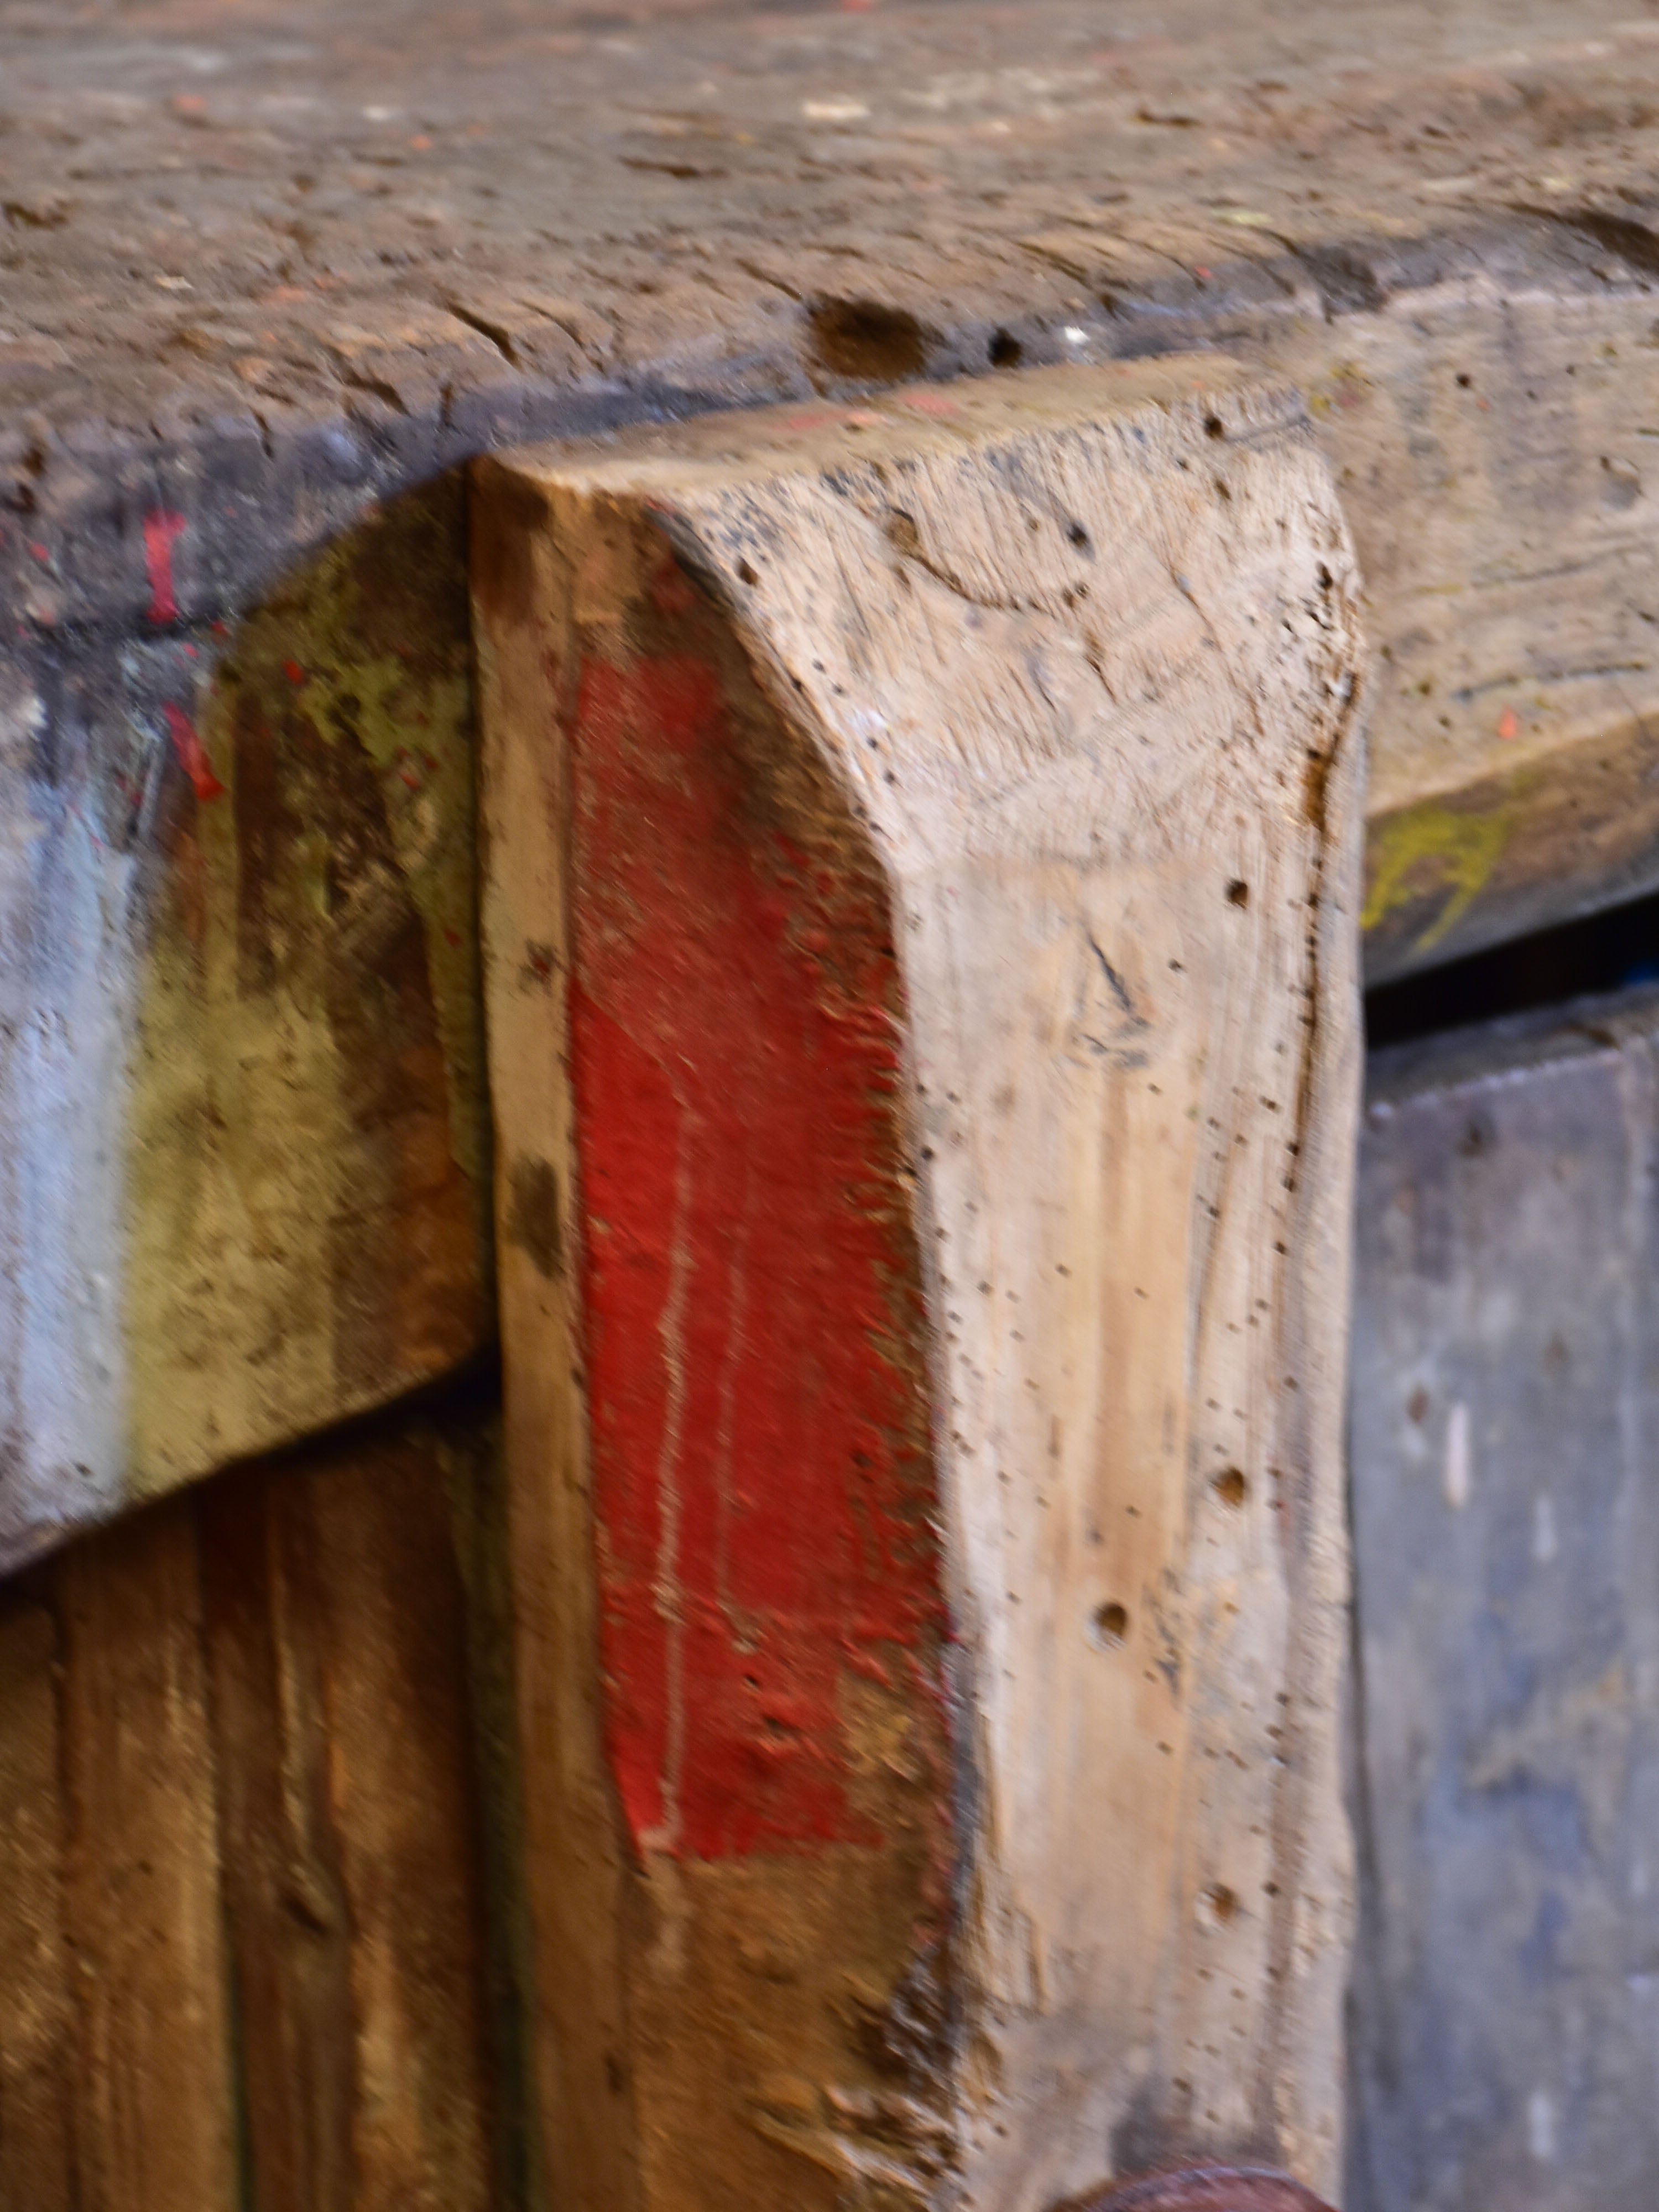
(289, 1918)
(349, 1830)
(38, 2055)
(402, 1780)
(923, 843)
(155, 2124)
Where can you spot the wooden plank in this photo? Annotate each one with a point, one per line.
(155, 2120)
(404, 1783)
(348, 1829)
(1493, 458)
(287, 1915)
(37, 2043)
(1504, 1525)
(246, 1138)
(920, 930)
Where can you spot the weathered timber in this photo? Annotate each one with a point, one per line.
(241, 1912)
(920, 916)
(243, 1189)
(1506, 1359)
(263, 269)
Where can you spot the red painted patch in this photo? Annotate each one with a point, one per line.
(763, 1483)
(160, 528)
(191, 756)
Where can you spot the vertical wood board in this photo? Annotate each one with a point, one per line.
(929, 829)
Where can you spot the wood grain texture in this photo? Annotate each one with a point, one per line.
(1505, 1401)
(37, 2047)
(156, 2124)
(1001, 747)
(242, 1910)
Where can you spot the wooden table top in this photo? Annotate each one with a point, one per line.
(264, 265)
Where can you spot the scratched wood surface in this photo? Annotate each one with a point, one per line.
(1507, 1570)
(242, 1904)
(923, 846)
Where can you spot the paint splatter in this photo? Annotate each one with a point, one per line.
(192, 757)
(162, 526)
(1507, 724)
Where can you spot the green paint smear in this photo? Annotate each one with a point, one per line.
(1458, 852)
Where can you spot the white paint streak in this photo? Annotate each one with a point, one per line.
(1458, 1458)
(1541, 2126)
(667, 1587)
(1545, 1542)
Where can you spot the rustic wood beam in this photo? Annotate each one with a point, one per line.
(922, 845)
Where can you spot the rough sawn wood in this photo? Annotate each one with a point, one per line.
(920, 944)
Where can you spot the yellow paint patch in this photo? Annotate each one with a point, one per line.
(306, 1166)
(1428, 848)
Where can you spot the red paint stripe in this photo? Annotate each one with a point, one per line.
(763, 1485)
(192, 757)
(160, 528)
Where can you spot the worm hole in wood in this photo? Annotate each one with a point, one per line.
(1111, 1622)
(1232, 1486)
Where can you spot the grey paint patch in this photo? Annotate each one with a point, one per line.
(66, 995)
(1505, 1470)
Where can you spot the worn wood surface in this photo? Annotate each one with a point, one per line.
(241, 1910)
(922, 845)
(1504, 1505)
(263, 269)
(243, 1189)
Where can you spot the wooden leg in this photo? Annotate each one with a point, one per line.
(920, 847)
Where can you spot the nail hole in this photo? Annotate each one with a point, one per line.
(1238, 892)
(1213, 427)
(1217, 1906)
(1478, 1137)
(1006, 351)
(1078, 537)
(1111, 1622)
(1232, 1486)
(747, 574)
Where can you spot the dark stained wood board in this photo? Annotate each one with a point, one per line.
(1503, 1432)
(243, 1911)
